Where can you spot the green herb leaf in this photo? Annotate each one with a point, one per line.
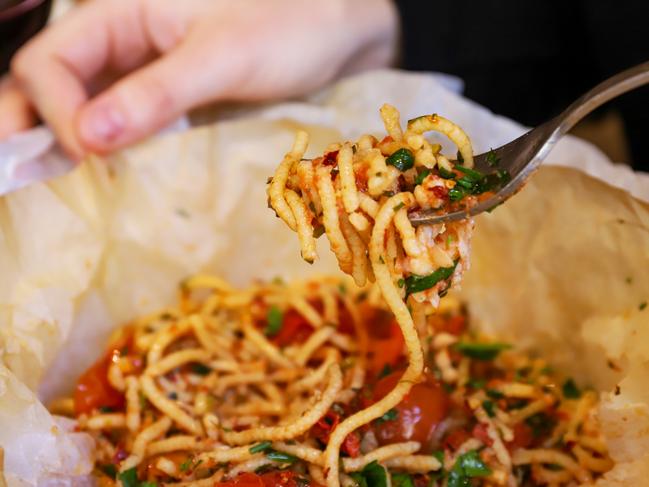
(476, 383)
(381, 259)
(402, 480)
(470, 174)
(390, 415)
(275, 320)
(467, 466)
(541, 424)
(472, 465)
(403, 159)
(488, 406)
(570, 390)
(401, 282)
(128, 478)
(492, 159)
(109, 469)
(456, 193)
(106, 409)
(494, 394)
(280, 456)
(387, 370)
(260, 447)
(149, 484)
(186, 464)
(481, 351)
(445, 174)
(359, 478)
(415, 283)
(399, 206)
(439, 454)
(200, 369)
(642, 305)
(375, 475)
(421, 176)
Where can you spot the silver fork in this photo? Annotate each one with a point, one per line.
(521, 157)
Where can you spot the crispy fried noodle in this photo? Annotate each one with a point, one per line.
(329, 381)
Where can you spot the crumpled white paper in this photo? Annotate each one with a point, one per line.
(87, 251)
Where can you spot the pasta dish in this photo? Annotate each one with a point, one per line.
(368, 381)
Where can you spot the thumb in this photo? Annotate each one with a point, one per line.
(139, 104)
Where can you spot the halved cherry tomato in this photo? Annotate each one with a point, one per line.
(280, 478)
(417, 415)
(93, 389)
(245, 479)
(386, 345)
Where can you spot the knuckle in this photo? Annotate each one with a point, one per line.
(21, 64)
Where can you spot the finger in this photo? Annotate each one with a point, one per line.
(143, 102)
(15, 109)
(56, 67)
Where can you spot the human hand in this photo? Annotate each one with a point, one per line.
(112, 72)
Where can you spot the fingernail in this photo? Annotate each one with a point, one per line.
(101, 123)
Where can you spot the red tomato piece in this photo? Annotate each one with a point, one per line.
(278, 478)
(295, 329)
(386, 345)
(93, 389)
(523, 437)
(455, 438)
(352, 445)
(245, 479)
(417, 415)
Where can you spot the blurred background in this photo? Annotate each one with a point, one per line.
(523, 60)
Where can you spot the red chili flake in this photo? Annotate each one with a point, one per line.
(480, 432)
(330, 158)
(325, 425)
(440, 192)
(352, 445)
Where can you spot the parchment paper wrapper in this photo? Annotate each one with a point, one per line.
(561, 268)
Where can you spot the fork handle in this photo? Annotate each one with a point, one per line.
(607, 90)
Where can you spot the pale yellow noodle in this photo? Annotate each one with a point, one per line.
(144, 437)
(380, 455)
(330, 218)
(296, 428)
(452, 131)
(177, 359)
(256, 338)
(315, 341)
(278, 184)
(169, 407)
(411, 339)
(347, 178)
(414, 463)
(106, 421)
(173, 443)
(132, 403)
(165, 337)
(304, 228)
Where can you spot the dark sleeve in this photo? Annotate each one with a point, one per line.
(618, 38)
(529, 60)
